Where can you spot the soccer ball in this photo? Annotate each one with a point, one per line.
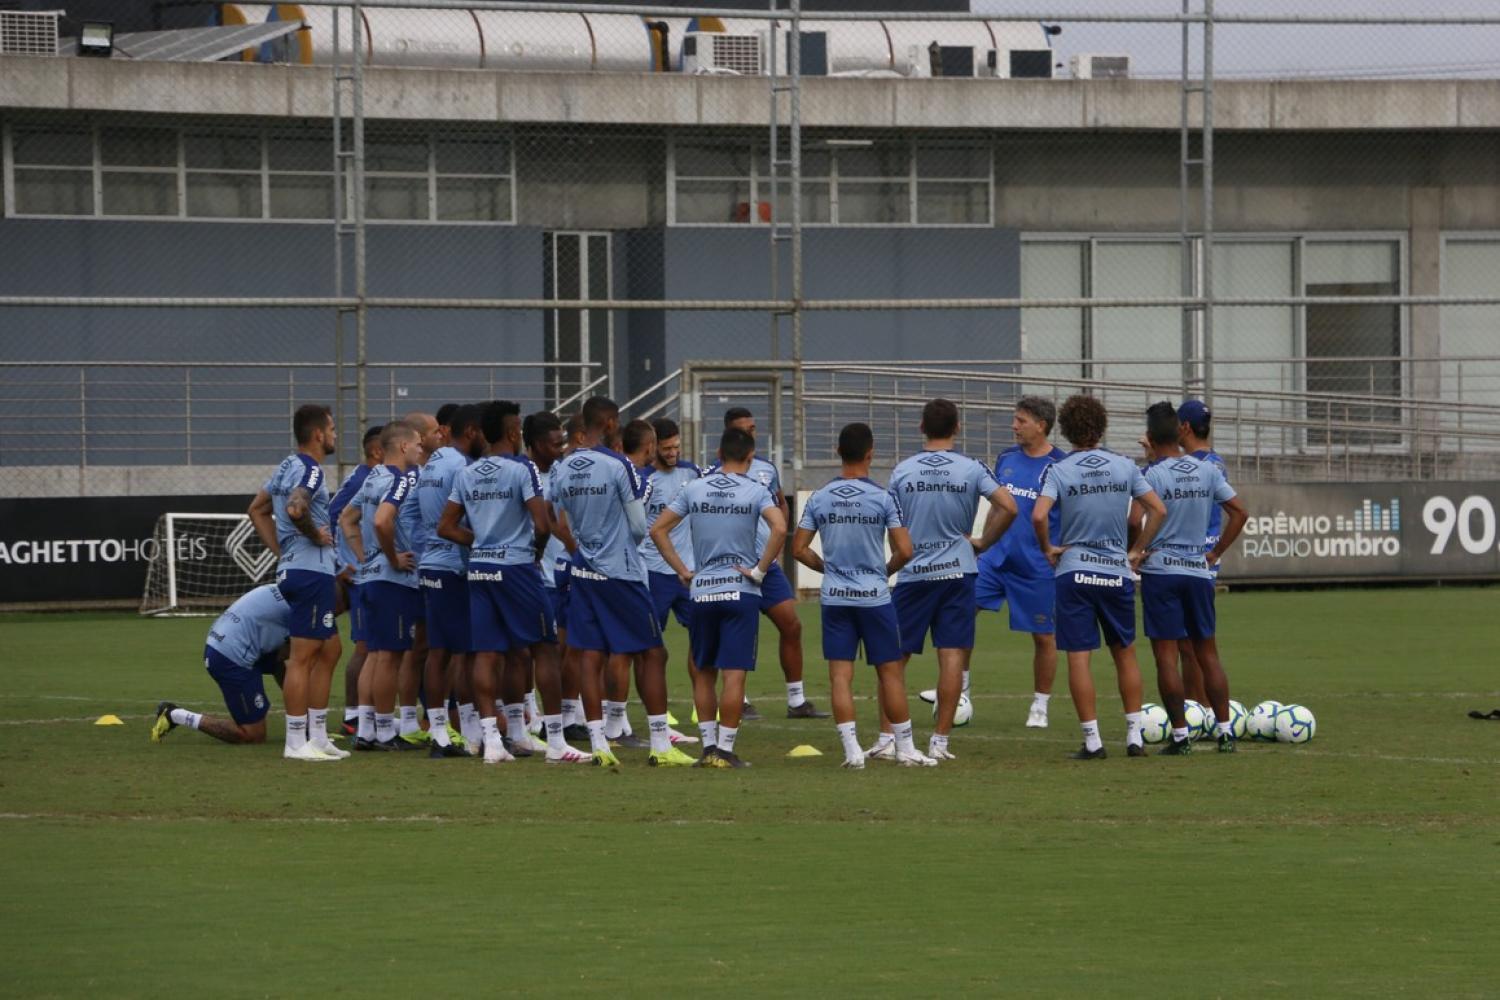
(1156, 726)
(1294, 724)
(1197, 719)
(1238, 719)
(962, 715)
(1209, 721)
(1262, 722)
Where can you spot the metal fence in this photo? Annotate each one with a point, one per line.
(397, 204)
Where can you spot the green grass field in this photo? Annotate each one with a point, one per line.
(1362, 863)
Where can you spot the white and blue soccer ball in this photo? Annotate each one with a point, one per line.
(1239, 720)
(1197, 719)
(1209, 722)
(1262, 722)
(1156, 725)
(963, 714)
(1294, 724)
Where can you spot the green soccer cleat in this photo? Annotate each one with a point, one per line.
(1226, 743)
(671, 757)
(1177, 748)
(420, 738)
(605, 758)
(671, 719)
(163, 724)
(457, 738)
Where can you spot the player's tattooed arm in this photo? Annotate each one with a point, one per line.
(263, 517)
(299, 512)
(901, 550)
(802, 550)
(349, 531)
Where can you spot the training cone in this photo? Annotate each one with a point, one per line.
(804, 751)
(109, 720)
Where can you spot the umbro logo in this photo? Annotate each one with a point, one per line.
(1183, 467)
(1093, 461)
(935, 461)
(722, 483)
(846, 492)
(580, 462)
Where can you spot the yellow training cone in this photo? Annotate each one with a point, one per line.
(804, 751)
(109, 720)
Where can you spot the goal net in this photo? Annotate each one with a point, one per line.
(200, 563)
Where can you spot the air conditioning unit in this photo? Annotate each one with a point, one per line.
(29, 33)
(1100, 67)
(953, 60)
(816, 60)
(1030, 64)
(717, 52)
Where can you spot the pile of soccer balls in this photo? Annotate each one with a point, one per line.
(1270, 721)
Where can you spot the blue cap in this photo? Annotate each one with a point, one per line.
(1193, 411)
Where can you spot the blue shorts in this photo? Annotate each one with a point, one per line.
(944, 606)
(356, 612)
(508, 607)
(244, 691)
(1084, 609)
(1030, 598)
(392, 611)
(311, 598)
(670, 595)
(775, 588)
(560, 592)
(1177, 606)
(725, 634)
(610, 616)
(446, 597)
(844, 628)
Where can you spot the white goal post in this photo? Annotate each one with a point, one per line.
(200, 563)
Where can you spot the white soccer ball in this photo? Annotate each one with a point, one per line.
(1262, 722)
(1239, 719)
(1209, 722)
(1294, 724)
(1156, 725)
(962, 715)
(1197, 719)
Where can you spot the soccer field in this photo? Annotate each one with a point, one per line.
(1362, 863)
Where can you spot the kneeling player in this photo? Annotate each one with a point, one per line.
(247, 642)
(724, 511)
(853, 515)
(1177, 584)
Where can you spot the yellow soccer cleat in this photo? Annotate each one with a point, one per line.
(671, 757)
(605, 758)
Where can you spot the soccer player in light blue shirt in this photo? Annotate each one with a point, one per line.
(1177, 583)
(430, 437)
(851, 518)
(290, 514)
(670, 473)
(1014, 572)
(938, 490)
(600, 500)
(724, 510)
(348, 570)
(1092, 489)
(245, 643)
(1195, 425)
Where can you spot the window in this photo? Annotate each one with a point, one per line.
(953, 185)
(1470, 266)
(52, 170)
(1352, 349)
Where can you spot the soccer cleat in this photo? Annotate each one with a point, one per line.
(495, 752)
(929, 696)
(882, 750)
(456, 738)
(628, 741)
(1084, 753)
(1226, 743)
(605, 758)
(749, 713)
(937, 752)
(535, 726)
(350, 727)
(1136, 750)
(728, 758)
(806, 710)
(568, 755)
(575, 732)
(419, 738)
(916, 758)
(672, 719)
(671, 757)
(392, 745)
(1177, 748)
(327, 747)
(403, 744)
(362, 745)
(306, 751)
(710, 758)
(514, 748)
(530, 742)
(1036, 719)
(854, 763)
(163, 724)
(679, 738)
(438, 751)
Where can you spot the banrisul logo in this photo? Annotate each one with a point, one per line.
(935, 461)
(846, 492)
(1093, 461)
(722, 483)
(1371, 530)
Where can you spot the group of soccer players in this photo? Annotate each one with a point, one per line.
(523, 571)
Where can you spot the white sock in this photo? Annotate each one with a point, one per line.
(317, 725)
(709, 733)
(351, 714)
(1133, 735)
(660, 741)
(625, 728)
(366, 729)
(901, 733)
(935, 743)
(966, 682)
(1222, 729)
(726, 738)
(614, 719)
(850, 739)
(296, 732)
(183, 717)
(597, 740)
(385, 726)
(1039, 702)
(572, 711)
(531, 704)
(1178, 735)
(1091, 740)
(555, 742)
(515, 721)
(489, 729)
(410, 721)
(795, 695)
(500, 712)
(437, 726)
(468, 722)
(885, 738)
